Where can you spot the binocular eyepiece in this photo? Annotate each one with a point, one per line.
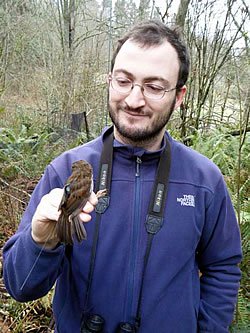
(125, 328)
(95, 324)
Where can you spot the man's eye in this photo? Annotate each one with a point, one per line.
(154, 88)
(123, 82)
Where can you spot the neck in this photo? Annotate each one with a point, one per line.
(152, 144)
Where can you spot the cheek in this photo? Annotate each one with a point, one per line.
(161, 109)
(115, 97)
(157, 107)
(168, 105)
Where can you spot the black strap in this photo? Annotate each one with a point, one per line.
(159, 193)
(154, 219)
(103, 182)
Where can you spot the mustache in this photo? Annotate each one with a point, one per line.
(140, 111)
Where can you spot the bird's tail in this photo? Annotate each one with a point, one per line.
(64, 229)
(67, 226)
(78, 228)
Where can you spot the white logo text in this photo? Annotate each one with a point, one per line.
(187, 200)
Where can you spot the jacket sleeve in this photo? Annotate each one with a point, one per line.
(30, 271)
(219, 256)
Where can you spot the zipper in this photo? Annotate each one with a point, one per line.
(134, 241)
(138, 163)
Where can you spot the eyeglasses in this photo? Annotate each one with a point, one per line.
(125, 86)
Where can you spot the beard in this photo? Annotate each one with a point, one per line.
(140, 135)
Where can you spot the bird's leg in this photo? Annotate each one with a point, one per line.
(101, 193)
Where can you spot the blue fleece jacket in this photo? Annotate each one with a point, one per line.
(199, 234)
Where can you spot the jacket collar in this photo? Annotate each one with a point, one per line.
(131, 151)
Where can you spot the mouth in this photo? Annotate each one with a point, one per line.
(135, 114)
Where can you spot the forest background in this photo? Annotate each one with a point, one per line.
(54, 57)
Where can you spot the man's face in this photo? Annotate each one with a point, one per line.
(137, 118)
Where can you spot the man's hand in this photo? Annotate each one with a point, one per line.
(46, 215)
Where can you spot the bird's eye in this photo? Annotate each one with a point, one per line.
(67, 189)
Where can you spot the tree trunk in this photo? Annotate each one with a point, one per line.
(182, 13)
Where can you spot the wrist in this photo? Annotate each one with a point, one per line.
(48, 244)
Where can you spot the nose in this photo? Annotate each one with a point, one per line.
(136, 98)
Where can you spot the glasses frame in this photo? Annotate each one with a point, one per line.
(133, 84)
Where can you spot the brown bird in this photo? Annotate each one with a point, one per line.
(77, 190)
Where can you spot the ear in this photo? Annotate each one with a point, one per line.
(108, 78)
(180, 96)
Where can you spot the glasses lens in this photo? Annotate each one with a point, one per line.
(153, 91)
(121, 84)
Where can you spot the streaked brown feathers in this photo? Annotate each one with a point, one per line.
(77, 190)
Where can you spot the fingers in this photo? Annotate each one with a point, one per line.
(85, 217)
(88, 208)
(93, 199)
(46, 214)
(54, 197)
(48, 207)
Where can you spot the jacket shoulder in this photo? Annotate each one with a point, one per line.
(192, 167)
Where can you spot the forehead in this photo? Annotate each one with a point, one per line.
(142, 62)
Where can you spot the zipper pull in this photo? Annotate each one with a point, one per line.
(138, 162)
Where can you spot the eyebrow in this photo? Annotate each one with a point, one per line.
(149, 78)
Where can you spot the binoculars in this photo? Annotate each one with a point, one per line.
(95, 324)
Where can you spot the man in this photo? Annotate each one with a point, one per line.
(144, 275)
